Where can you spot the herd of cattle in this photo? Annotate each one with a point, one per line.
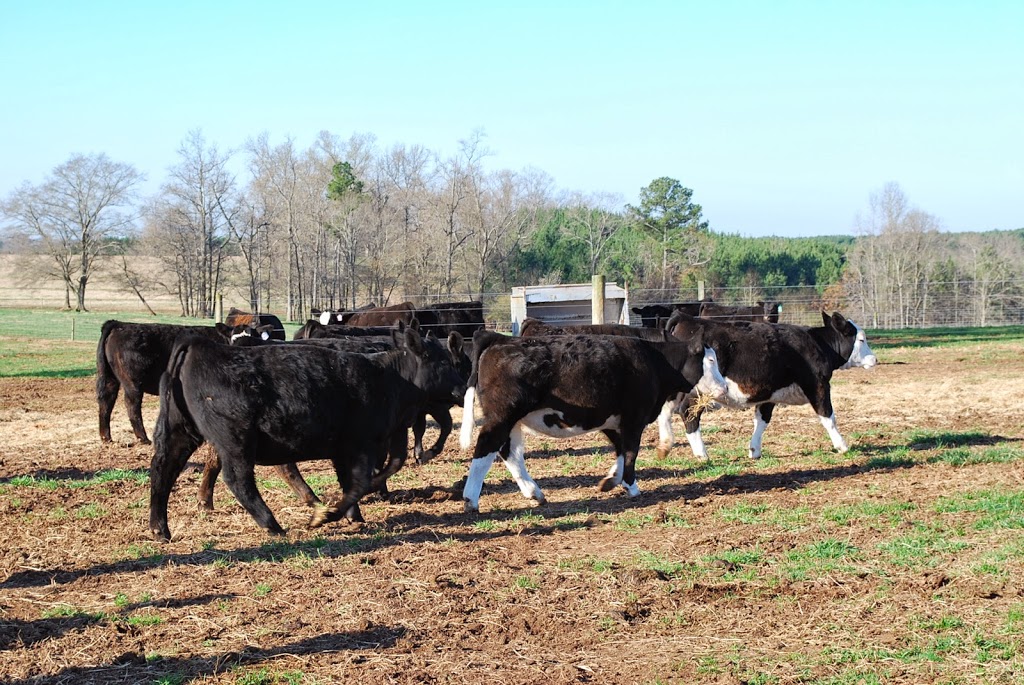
(350, 385)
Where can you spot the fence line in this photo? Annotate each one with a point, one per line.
(941, 305)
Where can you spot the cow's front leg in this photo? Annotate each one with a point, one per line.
(762, 416)
(821, 400)
(491, 440)
(515, 462)
(691, 412)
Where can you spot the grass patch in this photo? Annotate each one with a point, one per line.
(997, 509)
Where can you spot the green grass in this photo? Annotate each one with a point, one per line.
(62, 344)
(137, 476)
(944, 337)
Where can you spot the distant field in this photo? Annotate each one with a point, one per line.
(41, 343)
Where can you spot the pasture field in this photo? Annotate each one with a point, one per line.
(901, 561)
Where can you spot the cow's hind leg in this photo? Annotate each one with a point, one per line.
(624, 471)
(290, 474)
(241, 480)
(107, 387)
(211, 469)
(133, 402)
(170, 454)
(515, 462)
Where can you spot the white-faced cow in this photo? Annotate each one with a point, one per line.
(133, 355)
(768, 364)
(281, 403)
(569, 385)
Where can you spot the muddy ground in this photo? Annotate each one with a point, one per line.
(805, 566)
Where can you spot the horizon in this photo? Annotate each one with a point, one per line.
(782, 120)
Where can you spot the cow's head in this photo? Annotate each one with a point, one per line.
(853, 342)
(247, 335)
(434, 371)
(701, 368)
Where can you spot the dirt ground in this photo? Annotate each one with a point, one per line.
(718, 572)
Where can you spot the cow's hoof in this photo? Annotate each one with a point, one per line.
(161, 534)
(144, 441)
(206, 506)
(469, 507)
(540, 499)
(607, 484)
(663, 452)
(425, 456)
(318, 517)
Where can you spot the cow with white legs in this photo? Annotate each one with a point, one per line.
(767, 364)
(565, 386)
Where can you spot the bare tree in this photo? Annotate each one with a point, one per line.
(459, 180)
(890, 265)
(188, 219)
(593, 221)
(75, 214)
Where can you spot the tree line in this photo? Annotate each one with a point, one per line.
(344, 222)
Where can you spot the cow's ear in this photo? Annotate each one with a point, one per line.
(455, 343)
(825, 318)
(840, 323)
(223, 329)
(413, 342)
(415, 324)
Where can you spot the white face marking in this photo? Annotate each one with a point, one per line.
(325, 318)
(862, 355)
(265, 335)
(243, 334)
(712, 382)
(535, 422)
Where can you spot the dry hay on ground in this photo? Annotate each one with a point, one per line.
(704, 578)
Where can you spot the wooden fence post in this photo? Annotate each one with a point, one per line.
(597, 300)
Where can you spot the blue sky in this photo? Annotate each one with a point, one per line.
(781, 116)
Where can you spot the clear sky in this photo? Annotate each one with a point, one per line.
(781, 116)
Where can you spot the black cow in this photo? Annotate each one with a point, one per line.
(655, 315)
(443, 318)
(759, 313)
(370, 344)
(327, 316)
(281, 403)
(533, 328)
(133, 355)
(570, 385)
(768, 364)
(316, 329)
(236, 317)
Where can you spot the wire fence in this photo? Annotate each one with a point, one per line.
(40, 311)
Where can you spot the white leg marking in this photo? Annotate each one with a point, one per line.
(478, 469)
(665, 437)
(466, 430)
(833, 432)
(615, 472)
(758, 436)
(516, 465)
(631, 490)
(697, 444)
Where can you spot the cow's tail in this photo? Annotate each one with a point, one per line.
(107, 383)
(174, 411)
(482, 339)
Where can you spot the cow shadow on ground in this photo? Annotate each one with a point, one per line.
(133, 667)
(75, 475)
(16, 633)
